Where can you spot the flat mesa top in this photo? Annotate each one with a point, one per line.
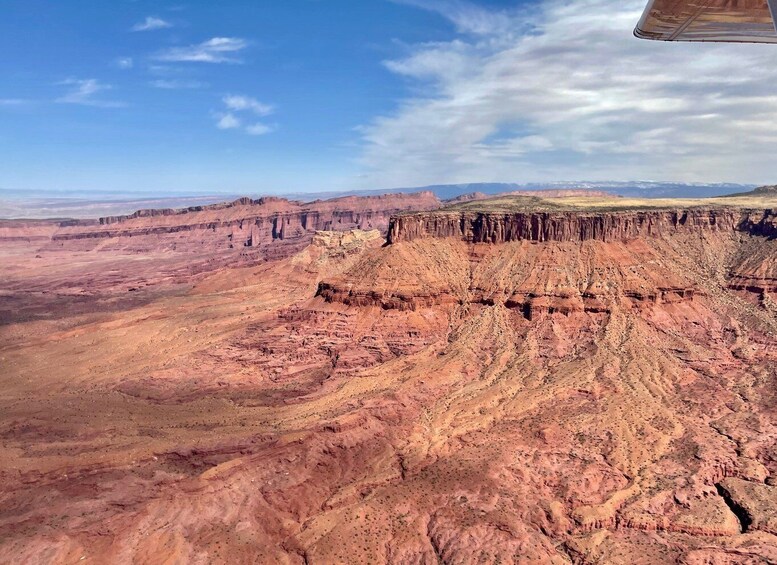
(738, 21)
(509, 203)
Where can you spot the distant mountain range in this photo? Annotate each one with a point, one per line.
(639, 189)
(16, 203)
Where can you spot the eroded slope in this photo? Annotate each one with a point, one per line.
(428, 401)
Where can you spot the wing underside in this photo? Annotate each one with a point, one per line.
(747, 21)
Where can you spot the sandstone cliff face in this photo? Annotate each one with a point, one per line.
(761, 223)
(249, 223)
(156, 212)
(606, 240)
(242, 223)
(490, 227)
(532, 281)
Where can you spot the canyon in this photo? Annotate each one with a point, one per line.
(554, 378)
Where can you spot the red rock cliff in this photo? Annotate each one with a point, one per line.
(244, 222)
(493, 227)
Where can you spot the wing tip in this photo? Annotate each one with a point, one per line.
(639, 33)
(655, 26)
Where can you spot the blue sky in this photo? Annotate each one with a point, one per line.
(306, 95)
(152, 123)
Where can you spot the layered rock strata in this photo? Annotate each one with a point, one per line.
(242, 223)
(531, 280)
(494, 227)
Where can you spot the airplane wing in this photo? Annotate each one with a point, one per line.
(741, 21)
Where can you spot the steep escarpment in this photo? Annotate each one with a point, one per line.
(27, 230)
(157, 212)
(762, 222)
(243, 223)
(500, 227)
(753, 271)
(529, 279)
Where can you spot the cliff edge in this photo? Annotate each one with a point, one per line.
(518, 218)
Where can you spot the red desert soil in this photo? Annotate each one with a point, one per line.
(505, 381)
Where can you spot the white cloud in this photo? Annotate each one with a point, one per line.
(12, 101)
(151, 23)
(259, 129)
(245, 105)
(177, 84)
(214, 50)
(239, 103)
(470, 18)
(566, 92)
(125, 62)
(228, 121)
(85, 91)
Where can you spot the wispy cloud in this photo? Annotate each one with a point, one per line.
(471, 18)
(566, 92)
(259, 129)
(178, 84)
(240, 110)
(85, 92)
(12, 101)
(240, 103)
(228, 121)
(214, 50)
(151, 23)
(125, 62)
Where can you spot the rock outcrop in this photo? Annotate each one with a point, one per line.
(497, 227)
(754, 504)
